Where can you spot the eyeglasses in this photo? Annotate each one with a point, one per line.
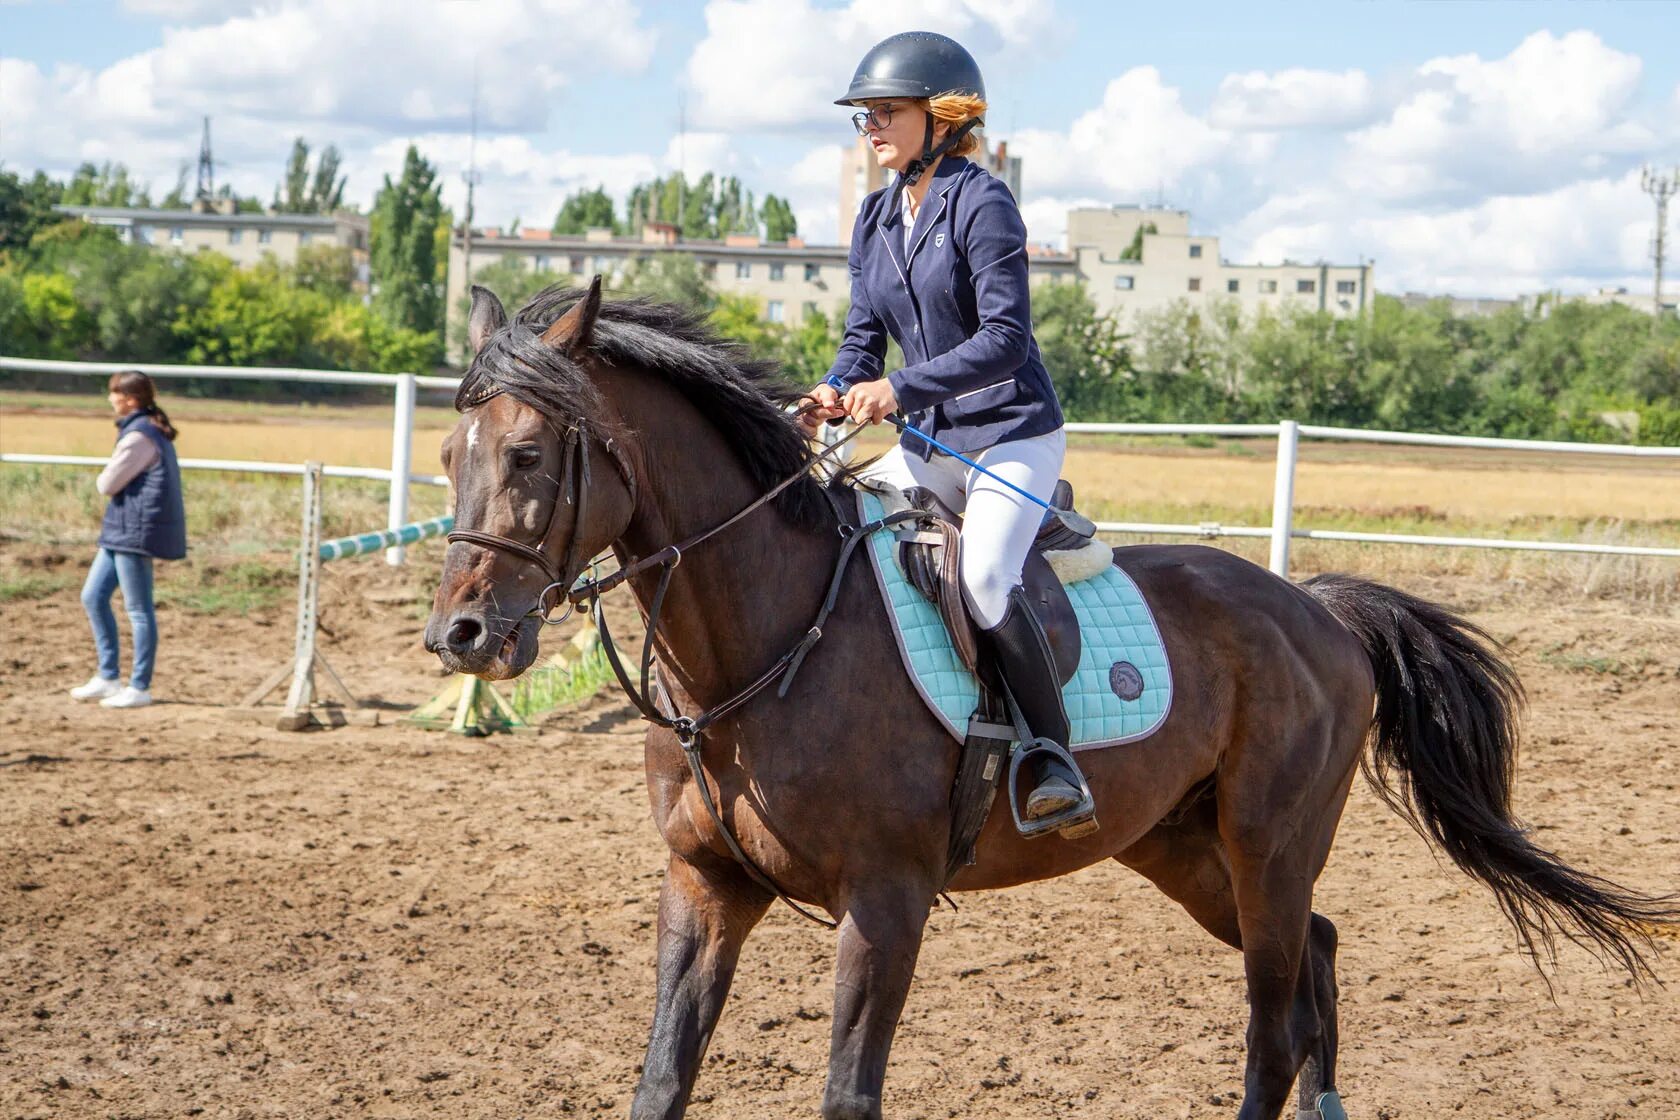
(880, 116)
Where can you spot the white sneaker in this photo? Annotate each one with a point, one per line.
(97, 688)
(128, 697)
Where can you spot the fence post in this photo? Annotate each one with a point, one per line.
(1283, 496)
(402, 460)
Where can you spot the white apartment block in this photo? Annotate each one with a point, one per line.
(1136, 259)
(789, 279)
(244, 238)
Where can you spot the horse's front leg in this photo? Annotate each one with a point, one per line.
(880, 937)
(705, 914)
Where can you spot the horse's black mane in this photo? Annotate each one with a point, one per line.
(743, 397)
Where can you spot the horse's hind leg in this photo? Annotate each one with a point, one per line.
(705, 914)
(1318, 1074)
(1188, 860)
(1277, 823)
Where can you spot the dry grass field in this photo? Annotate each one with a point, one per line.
(1338, 486)
(1121, 474)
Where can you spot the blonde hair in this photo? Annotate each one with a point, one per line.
(954, 109)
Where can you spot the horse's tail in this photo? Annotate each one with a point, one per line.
(1444, 747)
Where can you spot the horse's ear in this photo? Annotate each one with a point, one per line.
(485, 319)
(571, 331)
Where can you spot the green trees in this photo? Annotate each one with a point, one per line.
(1084, 352)
(26, 208)
(407, 214)
(778, 219)
(76, 291)
(1561, 370)
(707, 208)
(668, 278)
(586, 210)
(105, 184)
(320, 192)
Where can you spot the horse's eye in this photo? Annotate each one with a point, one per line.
(524, 458)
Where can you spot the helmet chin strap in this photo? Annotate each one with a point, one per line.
(918, 167)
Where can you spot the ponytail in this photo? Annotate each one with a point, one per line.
(133, 383)
(160, 421)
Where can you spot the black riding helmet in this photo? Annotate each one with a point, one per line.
(919, 64)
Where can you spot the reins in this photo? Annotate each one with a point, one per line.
(688, 729)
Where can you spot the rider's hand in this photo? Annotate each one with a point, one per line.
(828, 407)
(870, 402)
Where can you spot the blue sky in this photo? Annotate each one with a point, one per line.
(1485, 148)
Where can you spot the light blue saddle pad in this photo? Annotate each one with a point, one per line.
(1121, 652)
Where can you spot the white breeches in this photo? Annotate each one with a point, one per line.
(998, 524)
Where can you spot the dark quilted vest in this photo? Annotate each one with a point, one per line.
(147, 515)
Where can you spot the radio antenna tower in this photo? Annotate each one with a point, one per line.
(471, 178)
(206, 191)
(1661, 187)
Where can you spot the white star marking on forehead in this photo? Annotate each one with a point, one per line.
(472, 433)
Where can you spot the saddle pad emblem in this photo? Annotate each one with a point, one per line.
(1121, 690)
(1125, 680)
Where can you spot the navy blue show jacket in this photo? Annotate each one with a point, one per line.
(957, 304)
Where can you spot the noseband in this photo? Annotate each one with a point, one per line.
(574, 488)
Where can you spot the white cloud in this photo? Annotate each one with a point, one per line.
(812, 185)
(193, 11)
(779, 64)
(367, 77)
(1480, 176)
(1542, 116)
(1139, 139)
(382, 63)
(1575, 237)
(1293, 98)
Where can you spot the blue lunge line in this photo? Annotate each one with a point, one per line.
(896, 421)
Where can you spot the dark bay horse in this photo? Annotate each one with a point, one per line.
(627, 425)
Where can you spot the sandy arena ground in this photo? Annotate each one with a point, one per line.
(201, 916)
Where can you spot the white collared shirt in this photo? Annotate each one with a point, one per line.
(908, 218)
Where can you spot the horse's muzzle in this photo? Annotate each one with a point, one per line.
(469, 641)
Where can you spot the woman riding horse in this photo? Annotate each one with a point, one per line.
(939, 262)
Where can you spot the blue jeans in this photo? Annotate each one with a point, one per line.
(133, 571)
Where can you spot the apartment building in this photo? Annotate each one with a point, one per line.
(245, 238)
(1136, 259)
(789, 278)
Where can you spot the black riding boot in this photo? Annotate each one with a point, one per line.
(1024, 660)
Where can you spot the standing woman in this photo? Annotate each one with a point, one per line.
(145, 520)
(939, 262)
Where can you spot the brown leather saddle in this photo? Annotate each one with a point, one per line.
(930, 555)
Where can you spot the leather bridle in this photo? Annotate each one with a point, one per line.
(574, 487)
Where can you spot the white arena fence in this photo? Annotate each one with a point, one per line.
(1287, 433)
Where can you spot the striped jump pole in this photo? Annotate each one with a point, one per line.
(364, 543)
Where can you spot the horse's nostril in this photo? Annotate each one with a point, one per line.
(463, 633)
